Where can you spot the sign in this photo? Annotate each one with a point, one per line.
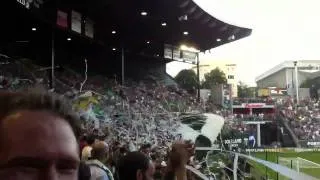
(171, 52)
(309, 68)
(62, 19)
(278, 91)
(254, 105)
(189, 56)
(317, 144)
(235, 141)
(89, 29)
(263, 92)
(76, 22)
(175, 53)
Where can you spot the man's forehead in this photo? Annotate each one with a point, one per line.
(38, 133)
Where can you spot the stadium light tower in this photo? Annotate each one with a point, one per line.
(297, 82)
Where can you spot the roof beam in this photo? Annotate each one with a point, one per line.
(198, 14)
(184, 4)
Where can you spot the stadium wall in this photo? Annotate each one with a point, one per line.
(277, 79)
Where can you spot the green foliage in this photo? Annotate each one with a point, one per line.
(215, 77)
(187, 79)
(244, 91)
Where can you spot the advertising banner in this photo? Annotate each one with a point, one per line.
(76, 22)
(263, 92)
(189, 56)
(308, 68)
(89, 28)
(62, 19)
(171, 52)
(175, 53)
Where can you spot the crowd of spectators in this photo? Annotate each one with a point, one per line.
(304, 119)
(122, 117)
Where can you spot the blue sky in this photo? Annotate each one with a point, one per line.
(282, 30)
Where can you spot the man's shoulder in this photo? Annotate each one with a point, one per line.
(98, 173)
(99, 170)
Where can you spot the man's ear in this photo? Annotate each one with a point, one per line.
(139, 175)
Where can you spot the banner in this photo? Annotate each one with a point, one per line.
(89, 29)
(76, 22)
(62, 19)
(175, 53)
(171, 52)
(308, 68)
(263, 92)
(189, 56)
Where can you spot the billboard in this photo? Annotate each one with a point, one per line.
(263, 92)
(308, 68)
(89, 29)
(175, 53)
(62, 19)
(76, 22)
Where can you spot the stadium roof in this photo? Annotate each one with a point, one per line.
(287, 64)
(144, 26)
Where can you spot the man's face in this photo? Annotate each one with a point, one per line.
(37, 146)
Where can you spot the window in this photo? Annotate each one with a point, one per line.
(231, 77)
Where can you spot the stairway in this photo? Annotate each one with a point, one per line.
(289, 137)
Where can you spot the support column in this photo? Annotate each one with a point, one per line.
(235, 166)
(198, 76)
(297, 81)
(258, 135)
(122, 66)
(52, 61)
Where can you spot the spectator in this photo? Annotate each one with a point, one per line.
(98, 170)
(146, 149)
(135, 166)
(38, 136)
(86, 151)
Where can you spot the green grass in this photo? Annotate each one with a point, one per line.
(272, 157)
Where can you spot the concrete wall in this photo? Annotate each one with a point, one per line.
(205, 94)
(277, 79)
(217, 94)
(304, 93)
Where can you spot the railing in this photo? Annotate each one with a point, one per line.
(280, 169)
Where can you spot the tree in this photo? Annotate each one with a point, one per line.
(187, 79)
(214, 77)
(244, 91)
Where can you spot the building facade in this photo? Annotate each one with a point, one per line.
(228, 67)
(283, 76)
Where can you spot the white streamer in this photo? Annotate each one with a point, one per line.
(86, 75)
